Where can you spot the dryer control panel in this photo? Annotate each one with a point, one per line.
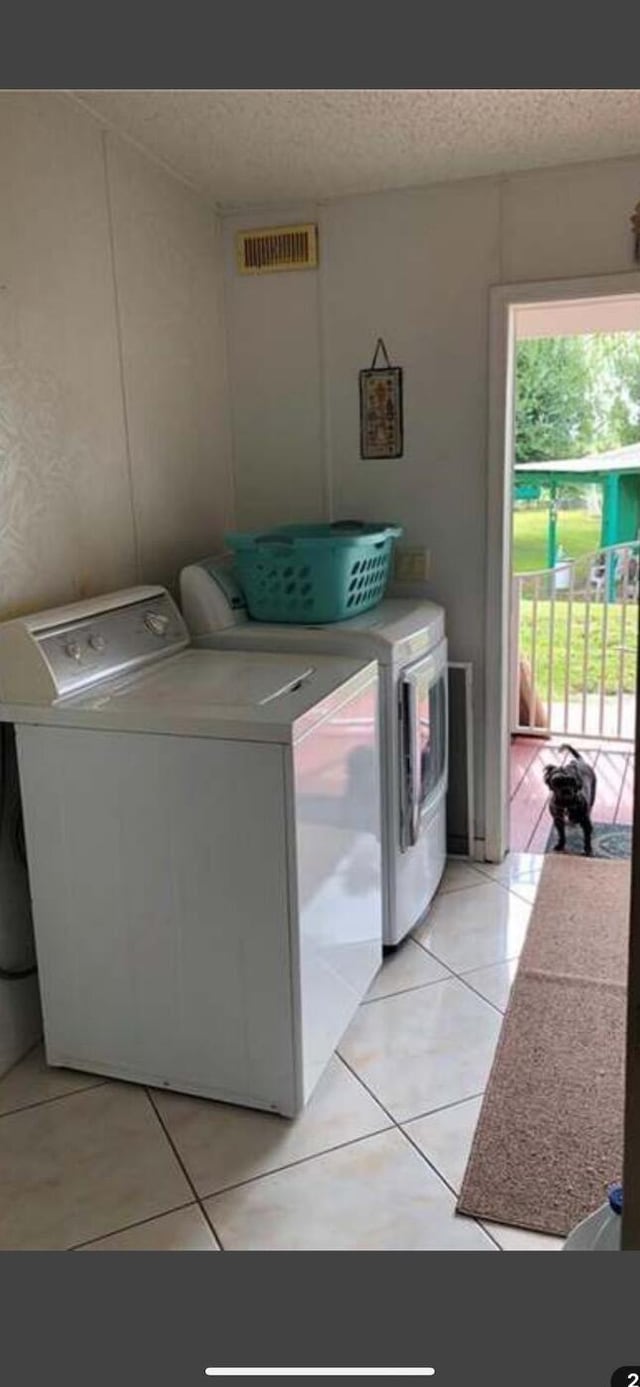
(52, 655)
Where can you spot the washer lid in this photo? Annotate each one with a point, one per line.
(204, 679)
(216, 693)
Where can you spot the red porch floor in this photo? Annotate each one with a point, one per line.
(529, 818)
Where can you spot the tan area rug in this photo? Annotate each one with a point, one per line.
(549, 1136)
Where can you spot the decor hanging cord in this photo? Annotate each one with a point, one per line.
(380, 347)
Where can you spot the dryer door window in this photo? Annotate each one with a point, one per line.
(423, 722)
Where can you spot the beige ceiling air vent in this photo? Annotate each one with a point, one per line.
(277, 248)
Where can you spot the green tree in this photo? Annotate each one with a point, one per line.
(577, 395)
(554, 406)
(614, 360)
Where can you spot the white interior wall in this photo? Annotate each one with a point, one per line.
(275, 371)
(170, 291)
(114, 439)
(414, 267)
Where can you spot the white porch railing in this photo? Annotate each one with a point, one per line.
(574, 632)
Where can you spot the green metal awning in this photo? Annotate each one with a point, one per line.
(616, 472)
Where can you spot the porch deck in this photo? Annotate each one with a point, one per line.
(529, 819)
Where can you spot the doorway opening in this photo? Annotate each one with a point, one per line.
(607, 587)
(575, 551)
(564, 548)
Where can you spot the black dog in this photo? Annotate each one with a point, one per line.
(573, 791)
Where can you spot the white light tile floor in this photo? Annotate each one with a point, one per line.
(458, 875)
(375, 1195)
(32, 1082)
(422, 1050)
(404, 969)
(185, 1230)
(494, 983)
(473, 928)
(374, 1162)
(445, 1137)
(221, 1145)
(517, 866)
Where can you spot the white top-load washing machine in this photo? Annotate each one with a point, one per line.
(407, 639)
(203, 841)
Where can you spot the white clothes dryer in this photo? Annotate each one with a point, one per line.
(407, 639)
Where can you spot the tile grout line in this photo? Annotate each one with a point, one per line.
(467, 886)
(515, 892)
(483, 967)
(399, 1128)
(183, 1168)
(457, 977)
(493, 1239)
(461, 977)
(454, 1192)
(454, 891)
(37, 1044)
(139, 1223)
(442, 1107)
(481, 994)
(485, 879)
(518, 1228)
(402, 991)
(512, 887)
(57, 1098)
(302, 1160)
(429, 1112)
(489, 876)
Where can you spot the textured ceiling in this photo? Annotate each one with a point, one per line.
(244, 148)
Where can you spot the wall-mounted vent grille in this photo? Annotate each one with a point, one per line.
(277, 248)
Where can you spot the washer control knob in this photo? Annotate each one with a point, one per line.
(72, 649)
(97, 643)
(157, 623)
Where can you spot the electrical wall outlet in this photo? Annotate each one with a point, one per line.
(411, 565)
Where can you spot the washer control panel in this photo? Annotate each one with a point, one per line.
(84, 652)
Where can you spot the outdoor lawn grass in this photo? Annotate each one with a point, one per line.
(578, 532)
(613, 677)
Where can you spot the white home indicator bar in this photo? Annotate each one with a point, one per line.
(320, 1372)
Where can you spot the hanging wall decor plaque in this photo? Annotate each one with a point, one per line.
(381, 434)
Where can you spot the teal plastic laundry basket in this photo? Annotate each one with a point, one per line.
(311, 574)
